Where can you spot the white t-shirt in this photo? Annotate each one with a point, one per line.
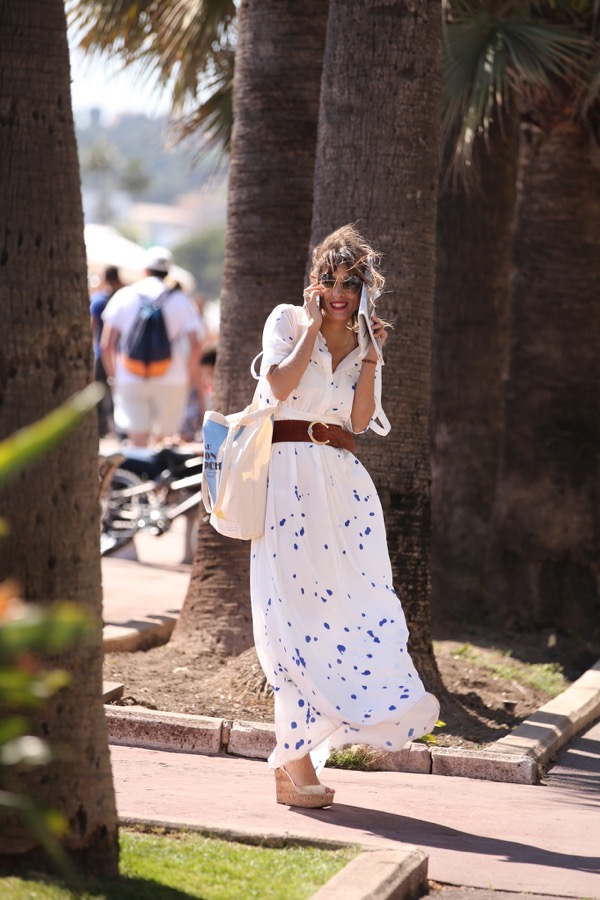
(181, 316)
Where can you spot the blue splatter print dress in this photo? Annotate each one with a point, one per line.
(329, 629)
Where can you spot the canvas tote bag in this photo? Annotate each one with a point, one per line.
(237, 450)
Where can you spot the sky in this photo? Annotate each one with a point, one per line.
(99, 83)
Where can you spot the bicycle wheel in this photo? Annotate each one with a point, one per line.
(122, 512)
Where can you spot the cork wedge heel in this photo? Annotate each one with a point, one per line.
(314, 796)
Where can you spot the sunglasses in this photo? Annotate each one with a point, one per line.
(352, 283)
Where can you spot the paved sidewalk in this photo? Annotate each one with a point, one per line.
(542, 839)
(521, 838)
(144, 588)
(578, 768)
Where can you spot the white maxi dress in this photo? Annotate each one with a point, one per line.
(329, 629)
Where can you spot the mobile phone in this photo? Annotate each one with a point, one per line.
(319, 301)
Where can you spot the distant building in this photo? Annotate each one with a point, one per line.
(170, 224)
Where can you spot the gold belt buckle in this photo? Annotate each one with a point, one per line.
(310, 432)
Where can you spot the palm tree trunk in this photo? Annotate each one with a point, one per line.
(278, 64)
(544, 561)
(45, 356)
(469, 354)
(377, 165)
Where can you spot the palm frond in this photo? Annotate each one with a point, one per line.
(179, 42)
(115, 26)
(485, 57)
(213, 118)
(590, 95)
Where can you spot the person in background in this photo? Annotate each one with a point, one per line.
(200, 397)
(208, 361)
(194, 407)
(110, 285)
(151, 408)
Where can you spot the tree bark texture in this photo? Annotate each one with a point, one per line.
(377, 166)
(45, 357)
(278, 64)
(469, 357)
(544, 560)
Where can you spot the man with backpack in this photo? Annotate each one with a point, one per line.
(150, 343)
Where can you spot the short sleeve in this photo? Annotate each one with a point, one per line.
(280, 335)
(97, 305)
(113, 313)
(186, 316)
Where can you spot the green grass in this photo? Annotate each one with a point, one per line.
(467, 652)
(184, 865)
(547, 677)
(358, 757)
(363, 758)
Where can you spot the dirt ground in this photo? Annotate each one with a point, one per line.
(492, 683)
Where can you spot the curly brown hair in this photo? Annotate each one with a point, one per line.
(346, 246)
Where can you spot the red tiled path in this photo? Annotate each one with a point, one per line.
(537, 839)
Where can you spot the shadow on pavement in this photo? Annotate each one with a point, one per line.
(431, 834)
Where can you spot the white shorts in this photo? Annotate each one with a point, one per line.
(149, 407)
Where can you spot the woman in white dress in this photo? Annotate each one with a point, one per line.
(329, 628)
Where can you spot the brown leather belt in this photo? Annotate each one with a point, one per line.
(314, 432)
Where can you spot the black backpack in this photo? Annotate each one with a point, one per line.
(147, 348)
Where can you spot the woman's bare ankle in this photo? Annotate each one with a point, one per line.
(302, 772)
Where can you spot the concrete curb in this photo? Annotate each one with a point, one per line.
(141, 636)
(541, 735)
(136, 726)
(157, 730)
(178, 732)
(375, 874)
(248, 836)
(516, 758)
(112, 690)
(379, 875)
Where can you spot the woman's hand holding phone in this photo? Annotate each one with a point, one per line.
(312, 305)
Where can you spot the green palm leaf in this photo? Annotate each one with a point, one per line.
(214, 117)
(183, 43)
(487, 56)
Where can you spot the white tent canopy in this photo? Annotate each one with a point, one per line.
(106, 247)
